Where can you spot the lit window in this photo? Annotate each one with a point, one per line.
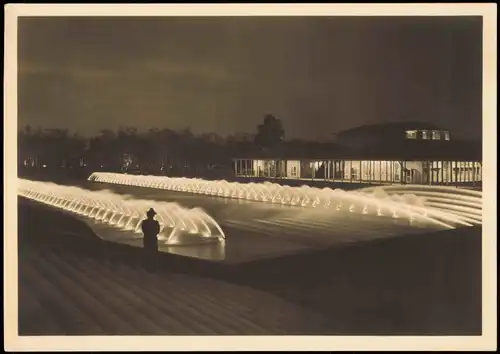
(425, 135)
(411, 134)
(435, 135)
(446, 135)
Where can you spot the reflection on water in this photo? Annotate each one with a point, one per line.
(440, 205)
(213, 251)
(261, 230)
(274, 236)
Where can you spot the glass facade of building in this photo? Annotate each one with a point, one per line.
(363, 171)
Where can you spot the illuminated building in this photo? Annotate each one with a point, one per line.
(412, 153)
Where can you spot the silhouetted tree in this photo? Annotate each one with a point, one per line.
(156, 151)
(50, 149)
(270, 133)
(104, 152)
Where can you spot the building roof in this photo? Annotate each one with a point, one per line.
(389, 144)
(386, 128)
(453, 150)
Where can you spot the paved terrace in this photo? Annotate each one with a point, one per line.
(72, 283)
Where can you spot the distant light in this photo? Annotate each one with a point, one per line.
(411, 134)
(44, 166)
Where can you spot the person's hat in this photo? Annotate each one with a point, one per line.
(151, 211)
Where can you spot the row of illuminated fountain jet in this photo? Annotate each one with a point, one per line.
(444, 206)
(124, 213)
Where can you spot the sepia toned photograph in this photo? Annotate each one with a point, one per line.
(245, 175)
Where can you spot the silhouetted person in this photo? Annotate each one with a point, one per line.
(150, 229)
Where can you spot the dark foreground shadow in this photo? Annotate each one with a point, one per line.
(412, 285)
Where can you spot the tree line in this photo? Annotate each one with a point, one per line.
(156, 151)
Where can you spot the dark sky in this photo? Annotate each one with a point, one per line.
(318, 75)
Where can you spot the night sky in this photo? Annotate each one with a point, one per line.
(318, 75)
